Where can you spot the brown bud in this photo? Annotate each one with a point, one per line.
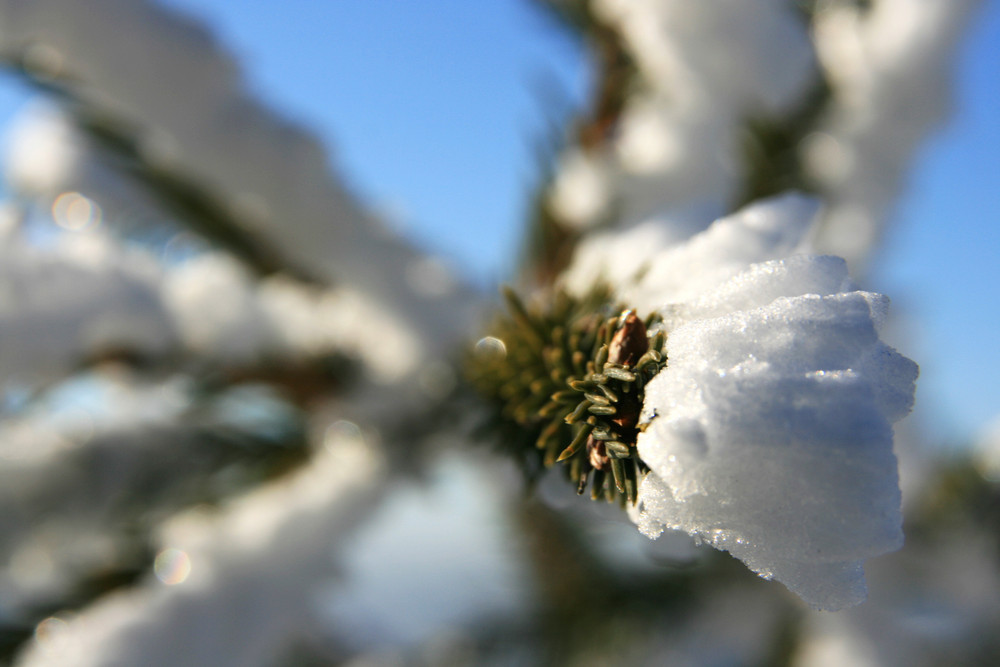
(597, 455)
(629, 342)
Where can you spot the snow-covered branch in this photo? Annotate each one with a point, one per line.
(889, 69)
(735, 97)
(272, 177)
(76, 302)
(256, 565)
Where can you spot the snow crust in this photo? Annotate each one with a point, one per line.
(769, 433)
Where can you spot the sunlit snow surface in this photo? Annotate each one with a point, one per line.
(769, 434)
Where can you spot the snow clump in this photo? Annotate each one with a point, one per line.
(769, 433)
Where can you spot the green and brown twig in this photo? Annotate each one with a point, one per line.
(571, 374)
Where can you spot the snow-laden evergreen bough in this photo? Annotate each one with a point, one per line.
(753, 409)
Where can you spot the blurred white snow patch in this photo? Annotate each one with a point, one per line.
(376, 335)
(42, 151)
(650, 267)
(11, 218)
(770, 431)
(987, 451)
(890, 71)
(615, 257)
(703, 69)
(648, 140)
(706, 70)
(831, 641)
(252, 521)
(213, 302)
(668, 40)
(292, 310)
(81, 299)
(433, 559)
(580, 194)
(254, 567)
(223, 312)
(310, 320)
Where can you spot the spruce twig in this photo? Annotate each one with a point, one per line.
(570, 376)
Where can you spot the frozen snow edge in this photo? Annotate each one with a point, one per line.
(769, 433)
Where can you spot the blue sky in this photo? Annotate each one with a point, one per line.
(940, 263)
(431, 108)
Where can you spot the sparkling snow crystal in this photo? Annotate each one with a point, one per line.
(769, 433)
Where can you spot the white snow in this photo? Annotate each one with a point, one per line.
(703, 69)
(85, 297)
(222, 313)
(889, 69)
(255, 567)
(581, 194)
(707, 68)
(651, 268)
(215, 306)
(126, 59)
(769, 434)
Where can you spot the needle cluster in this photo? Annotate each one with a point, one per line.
(571, 373)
